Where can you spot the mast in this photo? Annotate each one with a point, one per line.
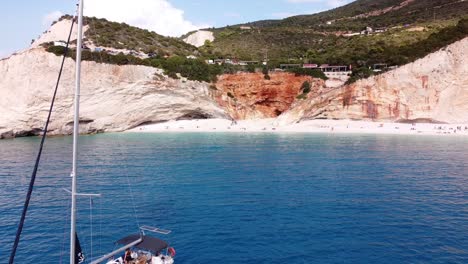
(76, 124)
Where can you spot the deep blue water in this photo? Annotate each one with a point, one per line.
(237, 198)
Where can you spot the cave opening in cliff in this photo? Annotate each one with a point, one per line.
(194, 115)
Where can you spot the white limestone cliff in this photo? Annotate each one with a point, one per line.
(113, 98)
(431, 89)
(59, 31)
(199, 38)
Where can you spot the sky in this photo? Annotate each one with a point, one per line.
(24, 20)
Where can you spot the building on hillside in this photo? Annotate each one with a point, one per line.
(352, 34)
(380, 30)
(290, 66)
(60, 43)
(191, 57)
(218, 61)
(379, 67)
(367, 31)
(331, 68)
(245, 63)
(332, 71)
(310, 66)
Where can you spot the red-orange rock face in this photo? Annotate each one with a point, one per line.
(250, 95)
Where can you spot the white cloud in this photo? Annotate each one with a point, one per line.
(155, 15)
(51, 17)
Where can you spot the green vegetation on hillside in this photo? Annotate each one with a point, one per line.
(315, 73)
(295, 45)
(305, 89)
(192, 69)
(320, 39)
(404, 54)
(407, 33)
(347, 17)
(104, 33)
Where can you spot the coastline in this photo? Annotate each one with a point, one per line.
(309, 126)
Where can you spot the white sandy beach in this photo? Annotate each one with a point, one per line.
(312, 126)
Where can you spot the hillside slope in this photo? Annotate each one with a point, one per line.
(383, 13)
(336, 36)
(116, 37)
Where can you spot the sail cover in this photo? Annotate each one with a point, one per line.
(151, 244)
(79, 256)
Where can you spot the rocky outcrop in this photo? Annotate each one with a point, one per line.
(432, 89)
(59, 31)
(199, 38)
(113, 98)
(251, 96)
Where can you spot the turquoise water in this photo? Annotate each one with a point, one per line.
(236, 198)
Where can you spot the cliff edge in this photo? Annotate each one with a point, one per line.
(113, 98)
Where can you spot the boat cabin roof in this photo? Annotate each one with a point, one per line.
(149, 243)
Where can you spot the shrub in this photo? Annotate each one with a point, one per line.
(305, 88)
(57, 50)
(315, 73)
(301, 97)
(360, 73)
(213, 87)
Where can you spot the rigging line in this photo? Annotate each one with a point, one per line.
(91, 223)
(133, 201)
(100, 226)
(130, 190)
(38, 158)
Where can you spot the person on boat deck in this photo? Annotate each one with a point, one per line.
(128, 256)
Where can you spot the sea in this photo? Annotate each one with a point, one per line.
(244, 198)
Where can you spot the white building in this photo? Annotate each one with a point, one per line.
(60, 43)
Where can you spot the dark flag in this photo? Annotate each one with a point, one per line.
(79, 256)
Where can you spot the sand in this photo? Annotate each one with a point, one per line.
(312, 126)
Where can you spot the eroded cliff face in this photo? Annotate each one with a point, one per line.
(251, 96)
(432, 89)
(113, 98)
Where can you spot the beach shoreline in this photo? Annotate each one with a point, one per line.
(309, 126)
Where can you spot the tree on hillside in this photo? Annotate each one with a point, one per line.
(305, 88)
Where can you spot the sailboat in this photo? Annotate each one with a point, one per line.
(139, 248)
